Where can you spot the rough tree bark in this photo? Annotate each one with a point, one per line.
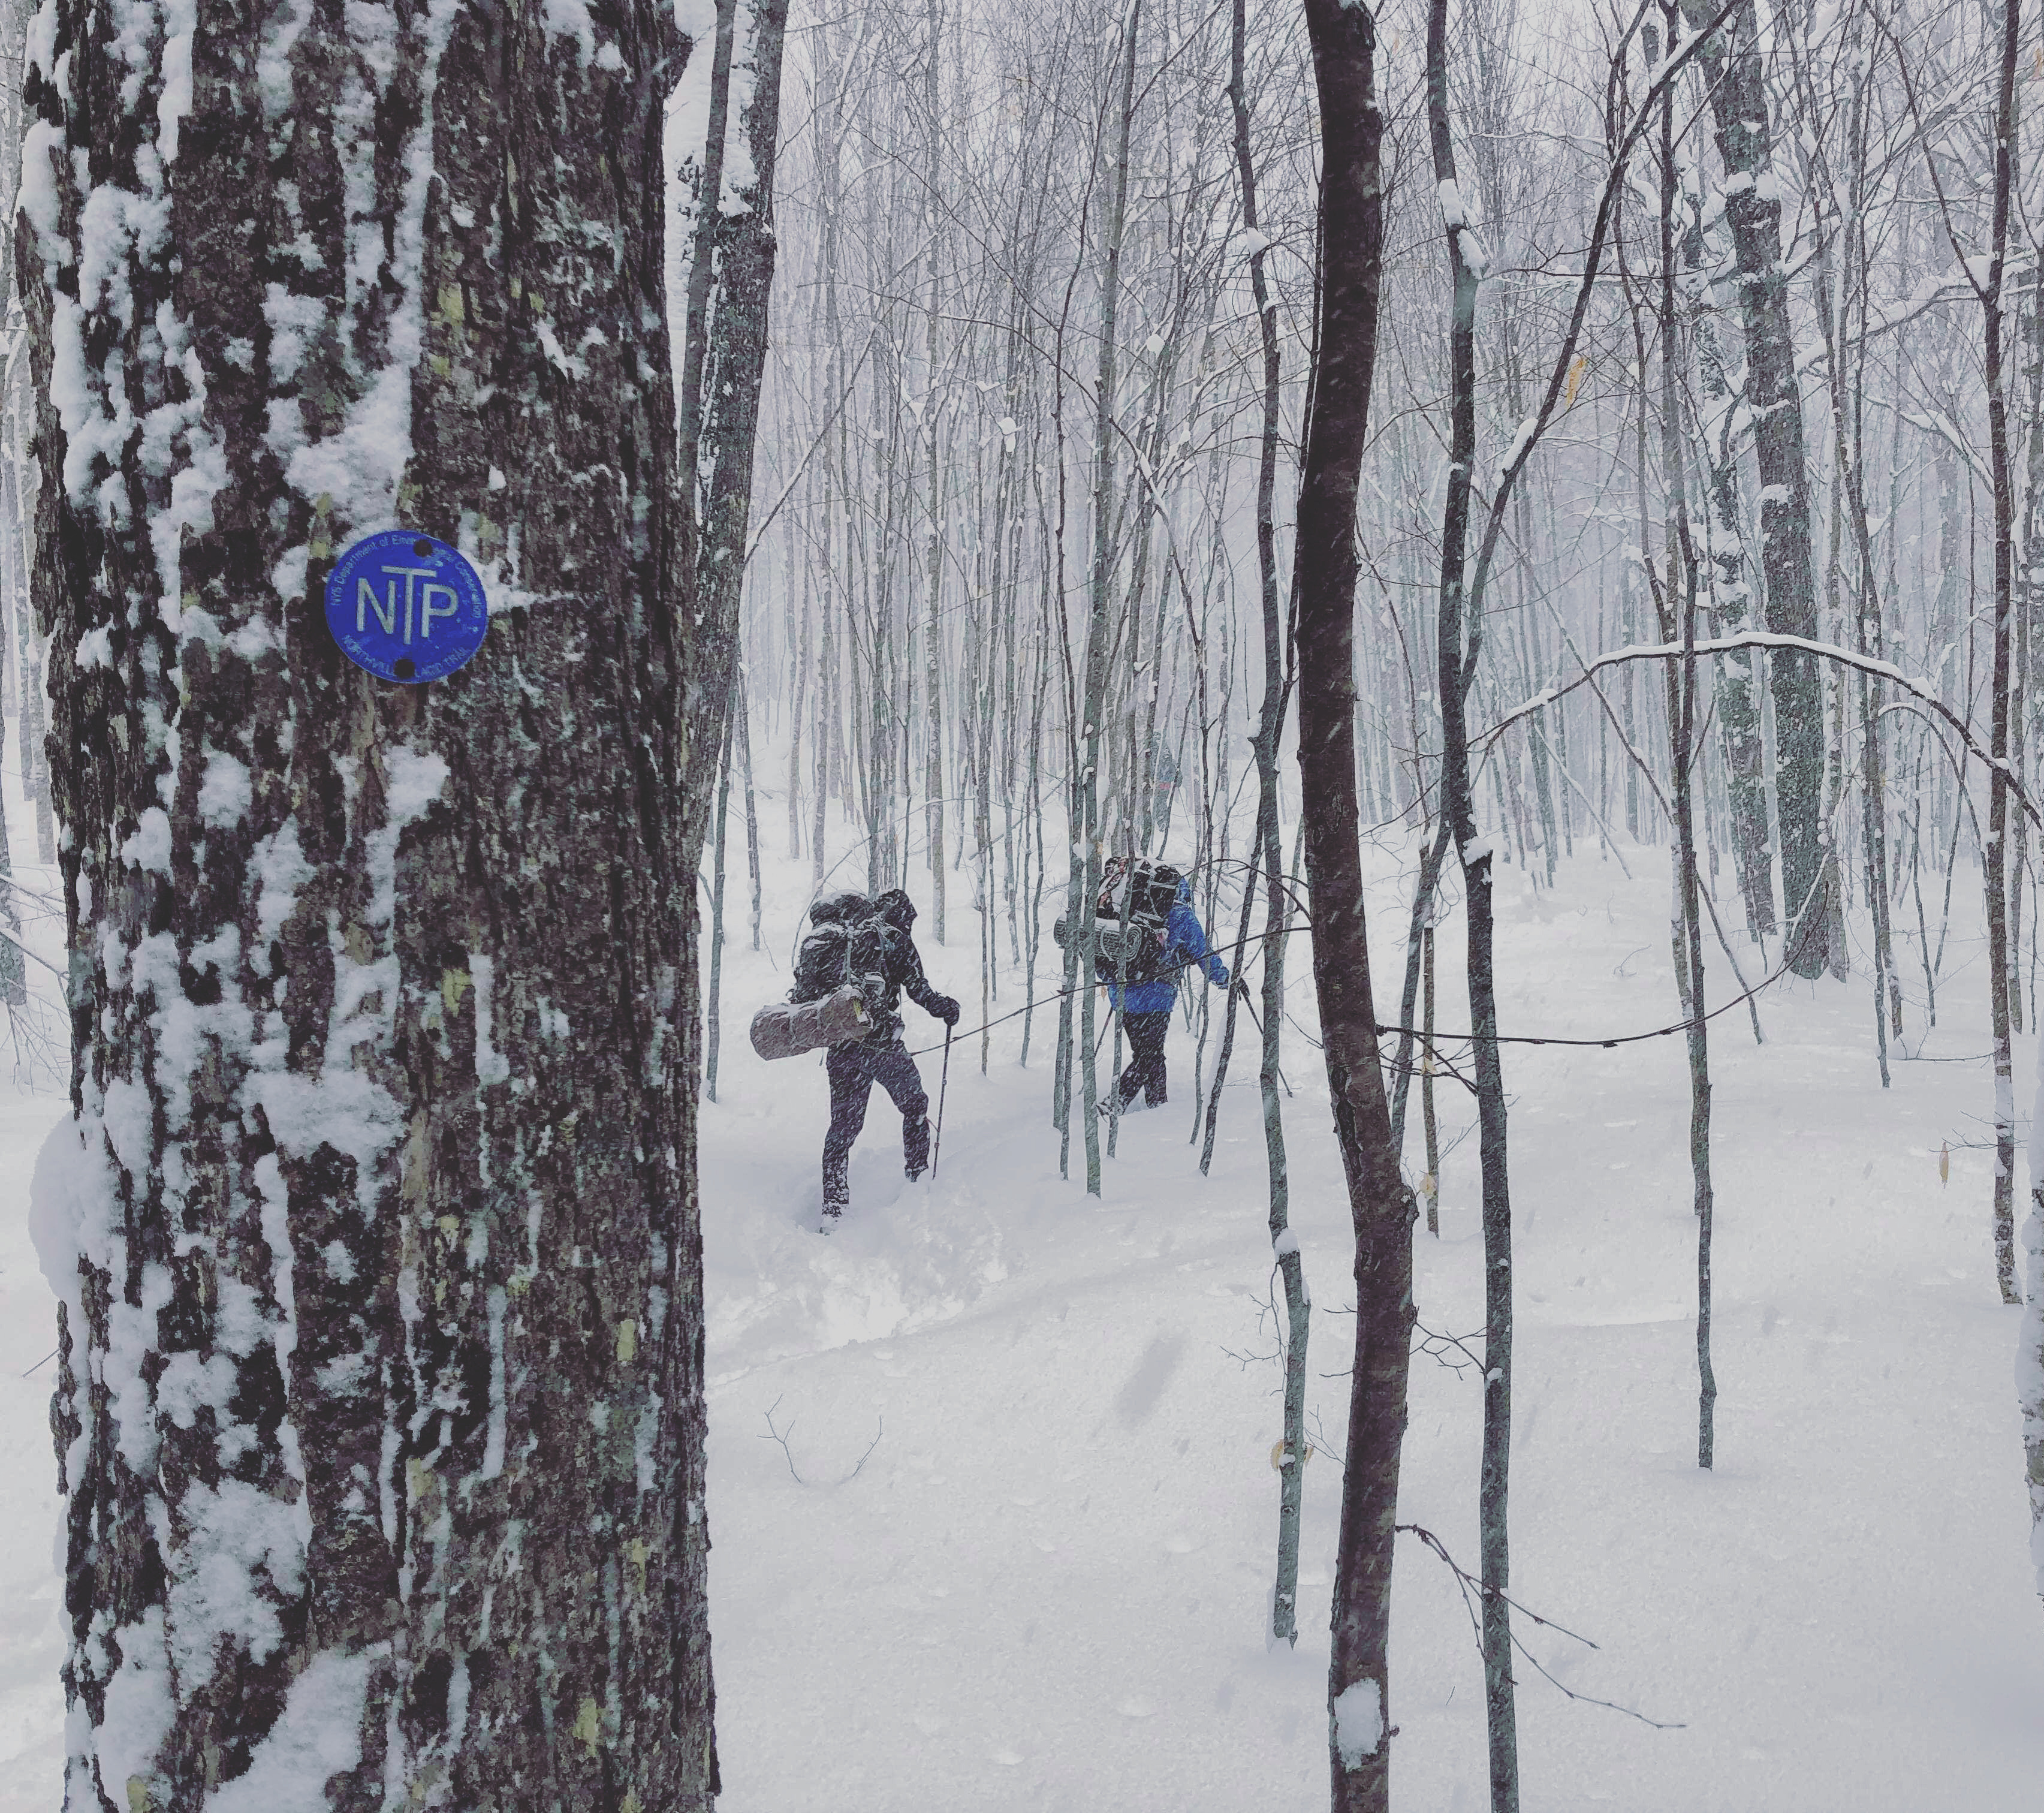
(1729, 598)
(1380, 1206)
(373, 1226)
(1736, 78)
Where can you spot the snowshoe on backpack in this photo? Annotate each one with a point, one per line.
(1135, 907)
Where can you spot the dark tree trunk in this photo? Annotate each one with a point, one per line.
(731, 275)
(1344, 42)
(380, 1407)
(1457, 666)
(1736, 78)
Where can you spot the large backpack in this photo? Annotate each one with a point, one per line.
(1135, 907)
(841, 990)
(846, 944)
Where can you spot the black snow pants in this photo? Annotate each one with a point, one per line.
(1145, 1066)
(853, 1069)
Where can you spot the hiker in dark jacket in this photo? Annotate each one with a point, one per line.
(869, 944)
(1145, 1006)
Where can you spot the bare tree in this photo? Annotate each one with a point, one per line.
(1381, 1205)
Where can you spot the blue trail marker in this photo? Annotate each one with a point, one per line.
(406, 606)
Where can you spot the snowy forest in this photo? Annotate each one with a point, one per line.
(1396, 651)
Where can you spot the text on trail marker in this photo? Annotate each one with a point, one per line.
(405, 606)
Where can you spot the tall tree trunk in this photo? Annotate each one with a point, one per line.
(1459, 807)
(752, 812)
(1736, 78)
(1092, 731)
(829, 135)
(730, 175)
(1995, 860)
(1431, 1186)
(713, 994)
(1681, 583)
(14, 579)
(934, 477)
(1285, 1245)
(1381, 1207)
(380, 1418)
(1730, 599)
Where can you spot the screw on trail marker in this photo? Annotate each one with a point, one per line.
(405, 606)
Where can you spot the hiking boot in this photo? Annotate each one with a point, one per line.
(913, 1172)
(833, 1214)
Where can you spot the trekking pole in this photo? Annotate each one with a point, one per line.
(1241, 988)
(943, 1083)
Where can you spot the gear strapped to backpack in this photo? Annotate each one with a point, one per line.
(841, 991)
(1132, 919)
(1137, 897)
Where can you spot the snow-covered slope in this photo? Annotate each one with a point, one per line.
(1042, 1586)
(33, 1097)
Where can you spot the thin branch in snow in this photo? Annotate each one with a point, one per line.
(781, 1435)
(1471, 1589)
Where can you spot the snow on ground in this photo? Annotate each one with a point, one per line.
(1026, 1560)
(1045, 1586)
(33, 1097)
(31, 1585)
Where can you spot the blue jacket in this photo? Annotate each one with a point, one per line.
(1184, 943)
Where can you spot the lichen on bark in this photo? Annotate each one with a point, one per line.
(380, 1416)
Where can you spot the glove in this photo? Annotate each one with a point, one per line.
(1218, 973)
(947, 1011)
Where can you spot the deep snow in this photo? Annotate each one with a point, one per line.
(1044, 1585)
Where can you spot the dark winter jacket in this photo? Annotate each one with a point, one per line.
(1185, 944)
(868, 943)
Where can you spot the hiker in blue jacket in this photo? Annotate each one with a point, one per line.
(1148, 996)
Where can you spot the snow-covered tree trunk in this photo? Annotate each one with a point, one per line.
(1735, 69)
(1995, 860)
(373, 1226)
(723, 126)
(1736, 692)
